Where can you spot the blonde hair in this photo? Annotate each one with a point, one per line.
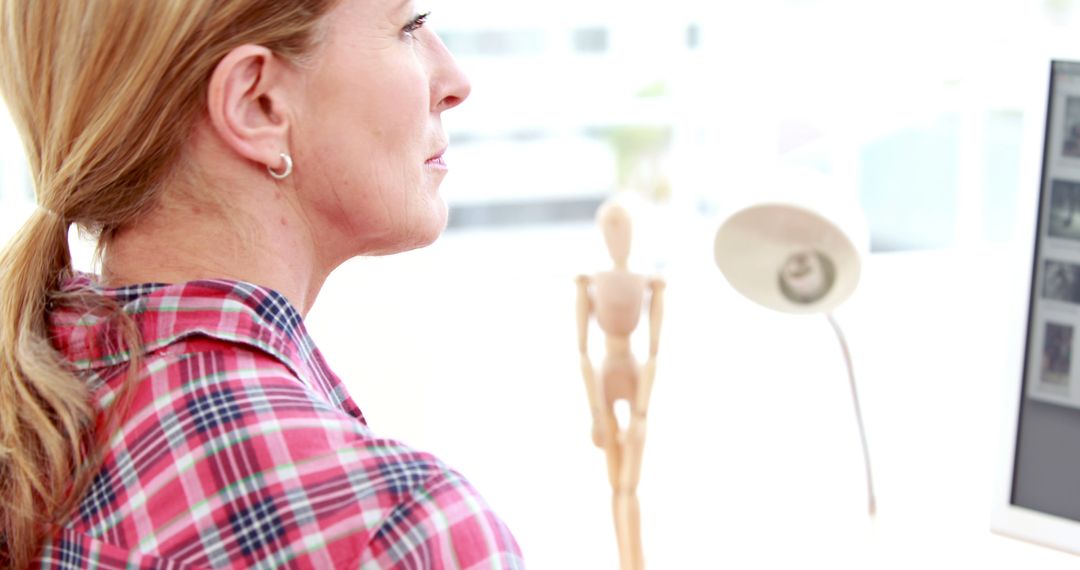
(104, 93)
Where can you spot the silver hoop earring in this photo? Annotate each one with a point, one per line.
(285, 172)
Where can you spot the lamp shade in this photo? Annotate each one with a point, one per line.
(787, 257)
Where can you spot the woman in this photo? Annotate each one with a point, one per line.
(173, 412)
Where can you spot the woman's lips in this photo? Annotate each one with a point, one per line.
(436, 161)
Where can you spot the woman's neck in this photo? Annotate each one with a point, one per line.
(258, 237)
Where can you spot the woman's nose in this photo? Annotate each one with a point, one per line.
(450, 86)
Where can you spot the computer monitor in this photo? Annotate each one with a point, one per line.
(1039, 495)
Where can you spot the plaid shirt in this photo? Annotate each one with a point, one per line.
(242, 449)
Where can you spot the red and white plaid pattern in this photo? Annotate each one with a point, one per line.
(241, 449)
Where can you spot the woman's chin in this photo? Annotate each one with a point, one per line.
(421, 233)
(434, 224)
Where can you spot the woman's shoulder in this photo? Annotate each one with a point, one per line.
(239, 445)
(441, 517)
(234, 443)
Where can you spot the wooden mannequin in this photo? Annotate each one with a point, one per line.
(616, 298)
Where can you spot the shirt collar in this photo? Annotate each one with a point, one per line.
(233, 311)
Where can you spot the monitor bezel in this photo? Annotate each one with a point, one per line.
(1009, 519)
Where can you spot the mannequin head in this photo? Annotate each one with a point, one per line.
(614, 222)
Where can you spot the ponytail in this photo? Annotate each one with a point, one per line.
(49, 448)
(44, 409)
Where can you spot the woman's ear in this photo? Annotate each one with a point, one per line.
(247, 104)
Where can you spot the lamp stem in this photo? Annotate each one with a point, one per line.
(858, 413)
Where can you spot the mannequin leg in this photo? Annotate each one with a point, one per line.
(627, 509)
(613, 449)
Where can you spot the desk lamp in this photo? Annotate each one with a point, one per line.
(789, 258)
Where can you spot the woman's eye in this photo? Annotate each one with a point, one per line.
(416, 23)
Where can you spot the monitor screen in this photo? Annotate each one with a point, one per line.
(1046, 458)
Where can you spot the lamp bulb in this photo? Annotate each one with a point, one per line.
(806, 276)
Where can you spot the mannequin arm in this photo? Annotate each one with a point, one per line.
(584, 309)
(644, 391)
(656, 314)
(648, 373)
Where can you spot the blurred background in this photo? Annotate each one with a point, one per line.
(919, 112)
(916, 107)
